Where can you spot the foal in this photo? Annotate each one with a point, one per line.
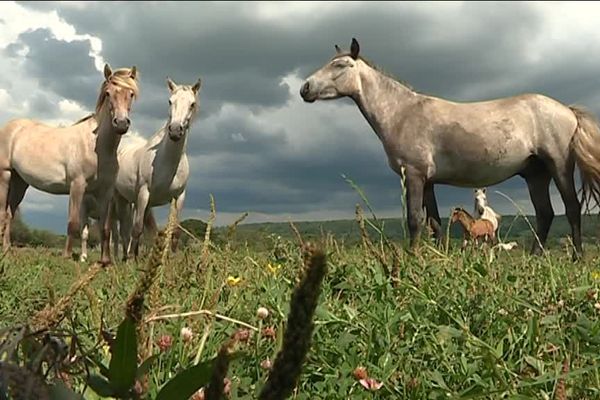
(473, 228)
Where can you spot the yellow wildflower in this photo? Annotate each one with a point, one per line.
(233, 281)
(596, 275)
(106, 350)
(274, 268)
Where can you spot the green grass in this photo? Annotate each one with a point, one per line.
(455, 325)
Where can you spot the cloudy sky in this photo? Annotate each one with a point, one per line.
(255, 145)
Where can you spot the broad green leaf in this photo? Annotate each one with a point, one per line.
(123, 363)
(186, 383)
(59, 391)
(100, 386)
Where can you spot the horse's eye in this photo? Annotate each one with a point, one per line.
(170, 103)
(340, 65)
(192, 105)
(107, 93)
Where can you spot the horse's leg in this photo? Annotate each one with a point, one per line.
(4, 186)
(16, 192)
(433, 215)
(414, 198)
(114, 236)
(565, 184)
(85, 233)
(123, 211)
(76, 193)
(177, 230)
(105, 213)
(538, 184)
(138, 219)
(114, 230)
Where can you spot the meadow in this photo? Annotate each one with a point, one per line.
(439, 324)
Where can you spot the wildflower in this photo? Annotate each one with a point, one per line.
(371, 384)
(596, 275)
(164, 343)
(266, 364)
(233, 281)
(186, 334)
(262, 313)
(561, 303)
(106, 350)
(592, 294)
(269, 332)
(242, 335)
(597, 306)
(360, 373)
(227, 386)
(273, 268)
(503, 312)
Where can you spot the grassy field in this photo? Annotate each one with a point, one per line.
(445, 325)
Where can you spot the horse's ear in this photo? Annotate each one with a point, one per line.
(107, 71)
(133, 72)
(483, 190)
(197, 86)
(354, 49)
(337, 49)
(170, 84)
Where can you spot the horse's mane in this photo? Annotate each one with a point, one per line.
(461, 209)
(121, 78)
(378, 69)
(84, 119)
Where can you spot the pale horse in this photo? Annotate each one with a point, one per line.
(73, 160)
(483, 210)
(153, 172)
(436, 141)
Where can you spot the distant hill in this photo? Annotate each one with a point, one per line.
(511, 228)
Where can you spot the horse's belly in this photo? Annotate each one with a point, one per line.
(47, 178)
(472, 173)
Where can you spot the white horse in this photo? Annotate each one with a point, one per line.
(155, 171)
(483, 209)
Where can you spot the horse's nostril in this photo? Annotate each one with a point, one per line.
(127, 121)
(304, 89)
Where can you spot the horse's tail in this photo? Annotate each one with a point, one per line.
(586, 146)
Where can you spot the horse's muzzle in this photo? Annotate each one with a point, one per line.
(121, 125)
(176, 131)
(305, 93)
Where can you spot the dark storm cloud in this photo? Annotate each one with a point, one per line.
(472, 51)
(66, 68)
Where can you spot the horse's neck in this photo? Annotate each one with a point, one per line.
(170, 152)
(381, 99)
(465, 220)
(107, 141)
